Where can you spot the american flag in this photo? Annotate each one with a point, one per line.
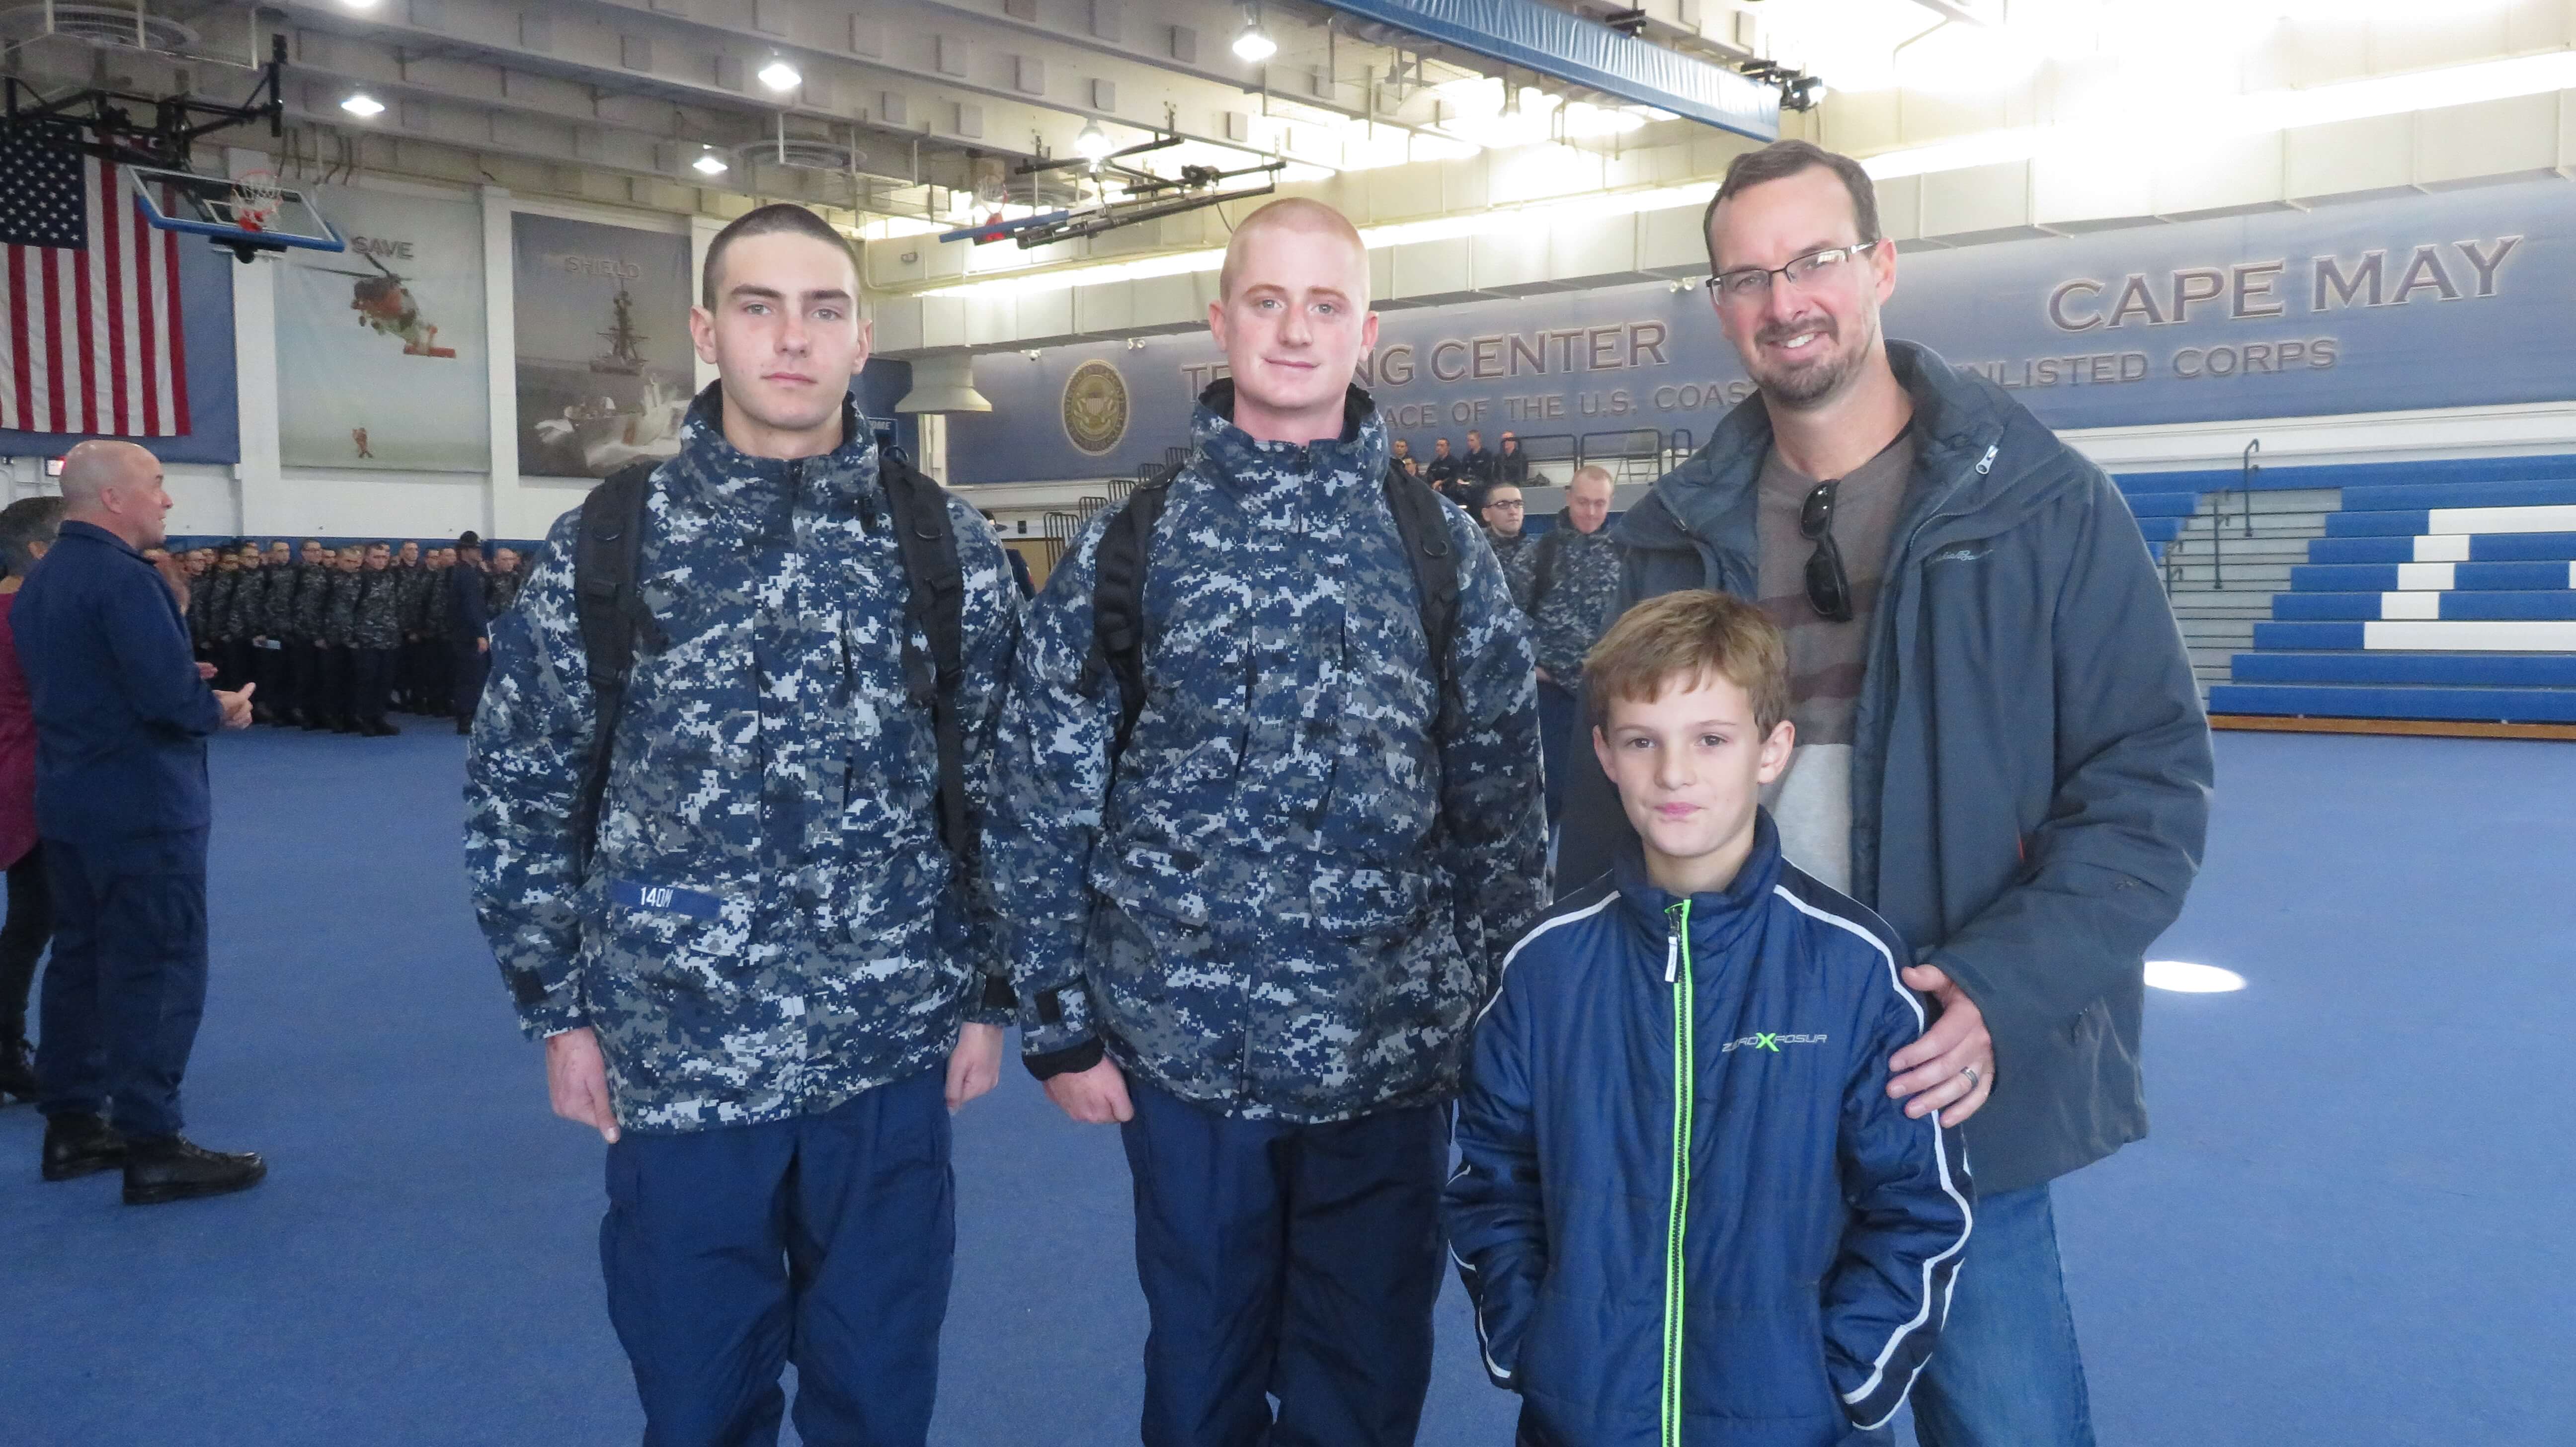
(89, 300)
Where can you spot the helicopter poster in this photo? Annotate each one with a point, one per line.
(381, 353)
(606, 370)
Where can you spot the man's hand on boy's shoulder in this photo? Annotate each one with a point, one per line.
(1951, 1066)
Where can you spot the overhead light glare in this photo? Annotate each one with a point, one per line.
(2261, 113)
(778, 75)
(362, 104)
(1093, 143)
(708, 163)
(1254, 45)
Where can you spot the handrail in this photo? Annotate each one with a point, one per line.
(2249, 470)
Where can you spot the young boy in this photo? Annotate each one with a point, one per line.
(1688, 1212)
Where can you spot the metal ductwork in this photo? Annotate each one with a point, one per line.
(943, 384)
(1537, 37)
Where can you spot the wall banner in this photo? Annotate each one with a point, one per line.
(2462, 298)
(606, 370)
(381, 357)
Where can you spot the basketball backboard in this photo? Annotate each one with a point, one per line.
(252, 214)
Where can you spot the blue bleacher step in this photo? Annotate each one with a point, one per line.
(2431, 577)
(2159, 529)
(2471, 670)
(2499, 705)
(2145, 505)
(2409, 636)
(2409, 522)
(2451, 607)
(2481, 548)
(2530, 493)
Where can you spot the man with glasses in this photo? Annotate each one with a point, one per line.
(1502, 512)
(2001, 748)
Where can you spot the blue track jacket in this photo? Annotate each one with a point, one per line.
(1758, 1249)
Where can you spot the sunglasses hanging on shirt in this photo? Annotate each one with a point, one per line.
(1829, 589)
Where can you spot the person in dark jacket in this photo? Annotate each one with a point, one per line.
(1510, 463)
(2025, 800)
(468, 630)
(1256, 935)
(1572, 593)
(374, 640)
(1693, 1050)
(268, 642)
(307, 655)
(122, 716)
(501, 585)
(1443, 469)
(340, 639)
(27, 529)
(1477, 464)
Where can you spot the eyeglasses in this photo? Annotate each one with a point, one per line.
(1747, 283)
(1829, 589)
(1506, 506)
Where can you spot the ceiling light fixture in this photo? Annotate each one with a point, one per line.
(708, 162)
(1254, 45)
(1093, 143)
(362, 104)
(778, 75)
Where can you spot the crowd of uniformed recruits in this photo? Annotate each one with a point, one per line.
(336, 637)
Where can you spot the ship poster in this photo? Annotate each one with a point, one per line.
(605, 366)
(382, 361)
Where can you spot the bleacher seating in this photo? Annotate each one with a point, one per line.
(2449, 600)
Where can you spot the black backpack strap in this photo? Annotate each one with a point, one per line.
(1421, 523)
(605, 555)
(1118, 601)
(1543, 567)
(927, 540)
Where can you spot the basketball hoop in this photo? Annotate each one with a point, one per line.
(257, 198)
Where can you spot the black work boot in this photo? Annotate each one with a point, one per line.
(17, 1070)
(173, 1168)
(77, 1145)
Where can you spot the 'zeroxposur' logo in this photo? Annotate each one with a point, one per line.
(1771, 1042)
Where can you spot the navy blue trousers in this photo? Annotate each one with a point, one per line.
(466, 667)
(826, 1241)
(1559, 733)
(371, 678)
(1299, 1262)
(127, 981)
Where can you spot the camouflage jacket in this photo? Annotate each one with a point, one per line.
(434, 622)
(1292, 893)
(500, 590)
(277, 600)
(419, 586)
(379, 620)
(202, 607)
(304, 602)
(1582, 593)
(770, 924)
(249, 604)
(210, 604)
(340, 607)
(1516, 553)
(312, 598)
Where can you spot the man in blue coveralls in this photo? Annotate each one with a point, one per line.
(122, 714)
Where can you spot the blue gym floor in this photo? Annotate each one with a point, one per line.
(2351, 1225)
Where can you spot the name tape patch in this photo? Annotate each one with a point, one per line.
(666, 898)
